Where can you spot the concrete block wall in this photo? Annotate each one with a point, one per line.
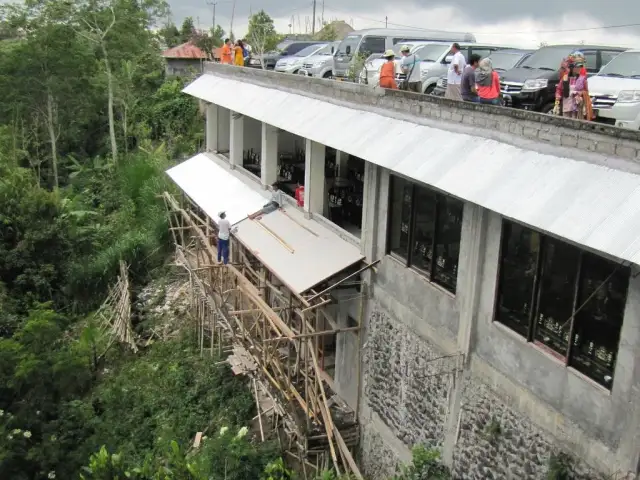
(503, 124)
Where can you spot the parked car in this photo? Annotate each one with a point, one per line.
(320, 64)
(286, 48)
(377, 40)
(293, 63)
(615, 91)
(502, 61)
(370, 73)
(532, 85)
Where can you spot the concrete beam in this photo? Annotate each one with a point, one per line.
(269, 155)
(314, 181)
(212, 127)
(237, 140)
(224, 129)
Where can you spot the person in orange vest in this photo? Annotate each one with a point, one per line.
(388, 71)
(225, 56)
(300, 195)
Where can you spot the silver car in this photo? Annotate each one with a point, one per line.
(294, 62)
(321, 63)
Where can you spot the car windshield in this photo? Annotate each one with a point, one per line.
(326, 50)
(398, 46)
(431, 52)
(349, 41)
(306, 51)
(281, 46)
(624, 65)
(505, 60)
(548, 58)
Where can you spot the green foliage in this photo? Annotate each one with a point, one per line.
(425, 465)
(277, 470)
(357, 65)
(328, 33)
(559, 467)
(261, 33)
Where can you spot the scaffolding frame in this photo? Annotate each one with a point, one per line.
(276, 337)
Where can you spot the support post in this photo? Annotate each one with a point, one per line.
(212, 128)
(342, 159)
(314, 181)
(269, 157)
(237, 140)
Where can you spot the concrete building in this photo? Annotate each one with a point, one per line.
(502, 322)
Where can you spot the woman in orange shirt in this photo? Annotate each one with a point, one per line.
(487, 83)
(388, 71)
(238, 52)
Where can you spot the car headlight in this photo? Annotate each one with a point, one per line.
(440, 82)
(424, 73)
(318, 64)
(537, 84)
(628, 96)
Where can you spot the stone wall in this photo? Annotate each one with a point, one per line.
(503, 124)
(496, 442)
(377, 460)
(403, 384)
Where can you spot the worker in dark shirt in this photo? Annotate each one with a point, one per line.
(468, 84)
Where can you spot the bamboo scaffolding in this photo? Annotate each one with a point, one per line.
(275, 335)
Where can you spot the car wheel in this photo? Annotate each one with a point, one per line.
(548, 108)
(429, 90)
(328, 75)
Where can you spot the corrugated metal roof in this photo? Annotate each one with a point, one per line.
(186, 50)
(300, 252)
(590, 204)
(214, 188)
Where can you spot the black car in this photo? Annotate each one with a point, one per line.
(283, 49)
(502, 60)
(532, 85)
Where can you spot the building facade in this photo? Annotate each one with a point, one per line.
(501, 322)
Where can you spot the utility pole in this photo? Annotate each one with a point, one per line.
(213, 20)
(233, 12)
(313, 25)
(323, 13)
(386, 22)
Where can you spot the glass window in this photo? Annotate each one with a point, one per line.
(624, 65)
(400, 216)
(447, 247)
(547, 58)
(520, 248)
(566, 300)
(431, 52)
(596, 332)
(372, 45)
(424, 222)
(424, 230)
(350, 41)
(293, 48)
(483, 52)
(591, 59)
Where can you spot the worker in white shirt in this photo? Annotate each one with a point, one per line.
(454, 75)
(224, 230)
(273, 205)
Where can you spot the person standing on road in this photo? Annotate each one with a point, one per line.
(238, 59)
(454, 76)
(468, 81)
(410, 66)
(224, 229)
(225, 56)
(487, 83)
(388, 71)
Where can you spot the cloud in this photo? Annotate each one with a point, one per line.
(518, 23)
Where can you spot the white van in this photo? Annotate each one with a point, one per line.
(363, 43)
(615, 91)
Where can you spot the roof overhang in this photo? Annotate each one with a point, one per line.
(587, 203)
(301, 252)
(214, 189)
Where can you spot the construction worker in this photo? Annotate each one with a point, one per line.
(388, 71)
(224, 230)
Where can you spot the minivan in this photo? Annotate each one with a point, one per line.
(532, 85)
(363, 43)
(285, 48)
(615, 91)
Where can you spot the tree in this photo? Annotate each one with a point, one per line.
(187, 30)
(208, 41)
(262, 35)
(328, 34)
(170, 35)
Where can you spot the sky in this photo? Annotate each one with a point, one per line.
(524, 23)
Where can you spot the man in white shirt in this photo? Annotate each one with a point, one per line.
(410, 65)
(224, 230)
(454, 75)
(273, 205)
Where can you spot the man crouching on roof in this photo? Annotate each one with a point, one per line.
(273, 205)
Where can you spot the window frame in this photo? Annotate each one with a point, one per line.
(368, 38)
(566, 359)
(431, 274)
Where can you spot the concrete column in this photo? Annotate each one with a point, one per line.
(314, 181)
(269, 155)
(471, 264)
(252, 134)
(341, 161)
(224, 129)
(237, 139)
(212, 128)
(370, 207)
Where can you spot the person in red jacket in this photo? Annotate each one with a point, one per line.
(487, 83)
(300, 195)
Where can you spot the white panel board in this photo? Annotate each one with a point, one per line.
(213, 187)
(299, 251)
